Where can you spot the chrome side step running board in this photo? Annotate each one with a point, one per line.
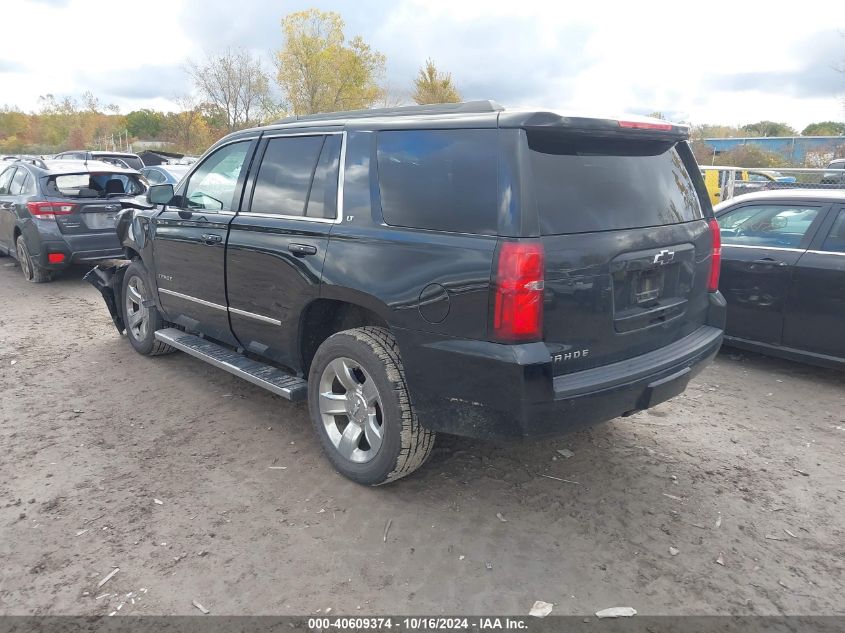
(265, 376)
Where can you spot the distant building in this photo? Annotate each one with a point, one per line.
(792, 148)
(140, 146)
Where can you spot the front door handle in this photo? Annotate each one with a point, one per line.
(211, 239)
(300, 250)
(768, 261)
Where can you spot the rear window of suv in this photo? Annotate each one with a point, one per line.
(584, 184)
(94, 185)
(443, 180)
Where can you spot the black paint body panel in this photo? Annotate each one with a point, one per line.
(433, 288)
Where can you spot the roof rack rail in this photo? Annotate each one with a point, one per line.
(33, 161)
(467, 107)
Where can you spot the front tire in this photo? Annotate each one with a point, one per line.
(140, 315)
(30, 268)
(361, 408)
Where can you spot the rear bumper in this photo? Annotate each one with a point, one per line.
(492, 391)
(80, 249)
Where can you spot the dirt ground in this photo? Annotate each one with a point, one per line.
(728, 499)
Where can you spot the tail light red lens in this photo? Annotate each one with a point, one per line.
(716, 256)
(49, 210)
(55, 258)
(518, 292)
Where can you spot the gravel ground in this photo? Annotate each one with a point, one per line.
(201, 487)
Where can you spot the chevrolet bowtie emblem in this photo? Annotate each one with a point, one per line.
(664, 257)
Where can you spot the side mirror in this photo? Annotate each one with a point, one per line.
(160, 194)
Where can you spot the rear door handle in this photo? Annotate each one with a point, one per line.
(211, 239)
(300, 250)
(768, 261)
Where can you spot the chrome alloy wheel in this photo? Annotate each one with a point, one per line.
(351, 410)
(137, 314)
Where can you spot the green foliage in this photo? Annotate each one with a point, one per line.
(824, 128)
(768, 128)
(751, 156)
(319, 71)
(145, 124)
(714, 131)
(432, 86)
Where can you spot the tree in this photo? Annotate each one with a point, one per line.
(188, 128)
(146, 124)
(714, 131)
(824, 128)
(235, 81)
(432, 86)
(751, 156)
(768, 128)
(318, 71)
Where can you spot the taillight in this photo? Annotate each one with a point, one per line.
(518, 292)
(49, 210)
(645, 125)
(55, 258)
(716, 256)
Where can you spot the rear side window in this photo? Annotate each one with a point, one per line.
(284, 178)
(444, 180)
(835, 241)
(584, 184)
(17, 182)
(322, 201)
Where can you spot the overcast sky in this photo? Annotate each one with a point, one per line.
(713, 62)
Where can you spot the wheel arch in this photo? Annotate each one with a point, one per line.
(326, 316)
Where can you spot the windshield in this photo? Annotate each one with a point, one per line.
(94, 185)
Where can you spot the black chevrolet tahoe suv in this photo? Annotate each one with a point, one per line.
(461, 269)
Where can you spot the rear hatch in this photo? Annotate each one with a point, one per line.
(627, 250)
(93, 199)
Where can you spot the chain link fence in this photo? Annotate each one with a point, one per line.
(723, 183)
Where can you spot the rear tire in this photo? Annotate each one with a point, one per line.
(361, 408)
(30, 268)
(140, 314)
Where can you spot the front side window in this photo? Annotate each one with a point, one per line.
(155, 176)
(6, 180)
(835, 240)
(212, 186)
(442, 180)
(779, 226)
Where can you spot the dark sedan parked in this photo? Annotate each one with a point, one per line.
(783, 273)
(59, 212)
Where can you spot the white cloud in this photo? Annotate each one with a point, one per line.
(722, 62)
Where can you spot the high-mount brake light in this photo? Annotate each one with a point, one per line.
(646, 125)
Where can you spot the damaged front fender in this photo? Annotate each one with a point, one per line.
(108, 279)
